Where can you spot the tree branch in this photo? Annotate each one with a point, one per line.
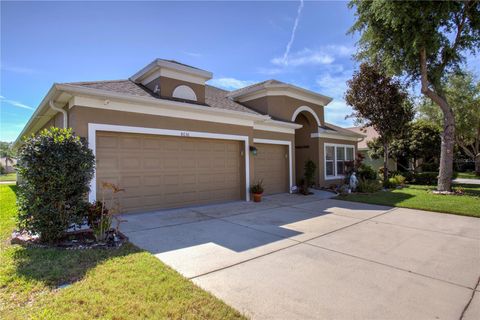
(424, 81)
(465, 148)
(460, 25)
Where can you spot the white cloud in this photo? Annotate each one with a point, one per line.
(324, 55)
(336, 111)
(304, 57)
(15, 103)
(16, 69)
(230, 83)
(292, 35)
(333, 85)
(193, 54)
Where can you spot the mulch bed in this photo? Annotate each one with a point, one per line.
(74, 240)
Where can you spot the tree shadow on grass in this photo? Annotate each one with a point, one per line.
(54, 266)
(386, 198)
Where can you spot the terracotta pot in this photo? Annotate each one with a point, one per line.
(257, 197)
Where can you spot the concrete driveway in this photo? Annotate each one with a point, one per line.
(297, 257)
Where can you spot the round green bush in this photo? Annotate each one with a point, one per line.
(56, 168)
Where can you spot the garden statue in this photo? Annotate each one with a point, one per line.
(353, 181)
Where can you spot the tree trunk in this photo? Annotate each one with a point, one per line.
(477, 165)
(448, 135)
(385, 163)
(446, 153)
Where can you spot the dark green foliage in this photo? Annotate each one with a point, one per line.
(56, 168)
(421, 40)
(309, 172)
(2, 170)
(368, 186)
(419, 140)
(366, 172)
(425, 178)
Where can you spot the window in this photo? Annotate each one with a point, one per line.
(336, 157)
(184, 92)
(329, 159)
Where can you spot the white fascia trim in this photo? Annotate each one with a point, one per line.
(105, 94)
(276, 126)
(333, 136)
(325, 145)
(282, 90)
(306, 109)
(94, 127)
(290, 160)
(158, 63)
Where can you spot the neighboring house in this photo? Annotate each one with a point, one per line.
(8, 164)
(171, 140)
(370, 134)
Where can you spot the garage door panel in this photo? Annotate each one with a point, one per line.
(271, 166)
(162, 172)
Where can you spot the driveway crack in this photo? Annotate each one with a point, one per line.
(470, 300)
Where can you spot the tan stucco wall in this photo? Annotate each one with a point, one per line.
(283, 107)
(321, 149)
(167, 85)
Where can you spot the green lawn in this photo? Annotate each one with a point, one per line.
(421, 197)
(466, 175)
(8, 177)
(127, 283)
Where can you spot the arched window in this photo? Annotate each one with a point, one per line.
(184, 92)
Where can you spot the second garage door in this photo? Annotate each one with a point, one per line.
(163, 172)
(271, 166)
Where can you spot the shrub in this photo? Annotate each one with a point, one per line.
(366, 172)
(368, 186)
(425, 178)
(56, 167)
(394, 181)
(2, 169)
(309, 172)
(429, 167)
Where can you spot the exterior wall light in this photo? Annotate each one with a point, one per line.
(253, 150)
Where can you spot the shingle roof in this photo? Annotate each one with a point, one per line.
(369, 132)
(214, 97)
(258, 84)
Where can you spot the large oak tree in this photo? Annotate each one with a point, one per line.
(463, 94)
(423, 40)
(379, 101)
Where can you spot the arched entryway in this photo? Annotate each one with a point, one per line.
(306, 147)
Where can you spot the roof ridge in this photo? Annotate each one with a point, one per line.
(97, 81)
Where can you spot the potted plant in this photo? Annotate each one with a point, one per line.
(257, 191)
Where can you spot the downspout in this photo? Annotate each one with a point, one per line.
(65, 115)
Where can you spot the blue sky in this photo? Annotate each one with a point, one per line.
(241, 43)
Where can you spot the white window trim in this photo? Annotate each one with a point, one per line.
(94, 127)
(335, 145)
(290, 161)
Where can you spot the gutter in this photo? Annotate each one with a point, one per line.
(65, 115)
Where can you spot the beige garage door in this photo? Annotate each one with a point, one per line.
(164, 172)
(271, 165)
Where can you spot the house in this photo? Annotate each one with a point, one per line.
(370, 134)
(171, 140)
